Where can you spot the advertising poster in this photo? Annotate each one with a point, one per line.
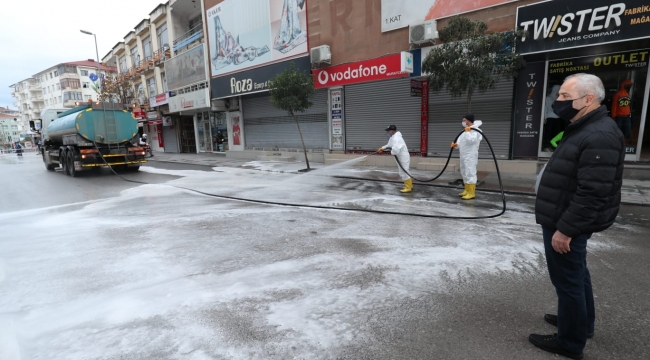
(528, 113)
(236, 128)
(397, 14)
(186, 69)
(248, 33)
(336, 101)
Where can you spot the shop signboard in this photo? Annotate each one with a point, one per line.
(139, 114)
(528, 111)
(382, 68)
(551, 27)
(416, 88)
(253, 80)
(186, 69)
(249, 33)
(336, 116)
(397, 14)
(167, 121)
(160, 99)
(153, 115)
(189, 101)
(627, 61)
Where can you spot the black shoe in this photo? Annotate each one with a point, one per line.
(552, 319)
(549, 343)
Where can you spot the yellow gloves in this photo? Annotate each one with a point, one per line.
(381, 150)
(468, 129)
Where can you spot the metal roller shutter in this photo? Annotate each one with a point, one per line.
(266, 126)
(494, 108)
(371, 107)
(169, 137)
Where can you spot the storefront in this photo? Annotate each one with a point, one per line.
(191, 114)
(367, 96)
(153, 129)
(158, 109)
(609, 40)
(253, 123)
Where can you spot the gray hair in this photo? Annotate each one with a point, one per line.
(589, 84)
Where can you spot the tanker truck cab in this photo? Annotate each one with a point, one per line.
(91, 136)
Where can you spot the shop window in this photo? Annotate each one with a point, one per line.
(624, 77)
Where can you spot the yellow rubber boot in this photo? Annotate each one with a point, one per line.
(408, 186)
(471, 192)
(464, 192)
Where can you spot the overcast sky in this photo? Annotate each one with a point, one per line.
(38, 34)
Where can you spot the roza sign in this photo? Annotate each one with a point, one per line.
(382, 68)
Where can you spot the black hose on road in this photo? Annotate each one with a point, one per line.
(323, 207)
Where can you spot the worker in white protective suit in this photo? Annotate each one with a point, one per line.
(398, 148)
(468, 144)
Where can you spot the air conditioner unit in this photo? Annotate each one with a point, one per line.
(423, 32)
(320, 55)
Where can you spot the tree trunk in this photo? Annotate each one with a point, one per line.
(304, 148)
(469, 101)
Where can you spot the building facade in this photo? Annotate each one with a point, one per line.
(29, 100)
(608, 39)
(65, 84)
(163, 58)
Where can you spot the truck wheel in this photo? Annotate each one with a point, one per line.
(71, 171)
(63, 161)
(134, 168)
(49, 167)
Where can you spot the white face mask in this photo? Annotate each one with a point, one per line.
(463, 123)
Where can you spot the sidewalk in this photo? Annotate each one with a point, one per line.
(635, 191)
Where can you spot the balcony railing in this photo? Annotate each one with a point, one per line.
(34, 88)
(145, 64)
(159, 56)
(195, 34)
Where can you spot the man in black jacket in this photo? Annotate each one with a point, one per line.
(579, 194)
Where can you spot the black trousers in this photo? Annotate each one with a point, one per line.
(575, 298)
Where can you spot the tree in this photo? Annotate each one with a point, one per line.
(117, 88)
(471, 59)
(291, 91)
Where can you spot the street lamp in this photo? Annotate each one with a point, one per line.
(96, 50)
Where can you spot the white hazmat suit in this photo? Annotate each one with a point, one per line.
(468, 144)
(399, 149)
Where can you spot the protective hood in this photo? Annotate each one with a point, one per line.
(477, 124)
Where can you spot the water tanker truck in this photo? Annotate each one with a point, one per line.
(91, 136)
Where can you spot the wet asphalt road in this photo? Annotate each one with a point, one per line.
(173, 275)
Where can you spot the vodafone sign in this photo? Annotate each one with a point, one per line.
(385, 67)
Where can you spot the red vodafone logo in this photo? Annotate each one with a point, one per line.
(382, 68)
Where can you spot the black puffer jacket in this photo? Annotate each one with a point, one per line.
(580, 190)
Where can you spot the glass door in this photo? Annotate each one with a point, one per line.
(219, 131)
(205, 135)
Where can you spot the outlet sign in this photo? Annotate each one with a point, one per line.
(549, 26)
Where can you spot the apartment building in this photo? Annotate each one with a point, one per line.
(29, 101)
(169, 41)
(65, 84)
(9, 130)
